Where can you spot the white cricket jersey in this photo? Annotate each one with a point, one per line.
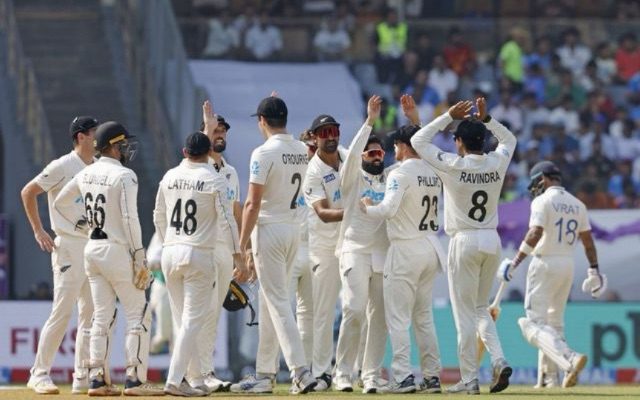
(360, 232)
(472, 183)
(322, 182)
(562, 217)
(52, 179)
(280, 165)
(410, 201)
(192, 198)
(109, 191)
(232, 192)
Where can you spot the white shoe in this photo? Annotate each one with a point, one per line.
(80, 385)
(369, 387)
(42, 385)
(250, 384)
(143, 389)
(214, 384)
(183, 390)
(343, 384)
(324, 383)
(578, 362)
(97, 387)
(304, 383)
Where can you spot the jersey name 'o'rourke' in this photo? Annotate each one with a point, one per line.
(480, 178)
(295, 159)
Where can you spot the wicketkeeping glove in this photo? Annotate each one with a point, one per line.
(142, 276)
(596, 283)
(505, 270)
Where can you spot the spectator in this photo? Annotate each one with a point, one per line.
(223, 38)
(535, 82)
(604, 165)
(589, 81)
(596, 133)
(507, 111)
(346, 19)
(566, 88)
(331, 42)
(408, 73)
(441, 78)
(457, 52)
(425, 96)
(621, 180)
(245, 20)
(425, 52)
(480, 75)
(628, 56)
(628, 145)
(590, 190)
(541, 55)
(566, 115)
(263, 40)
(41, 291)
(391, 40)
(573, 55)
(509, 190)
(511, 55)
(599, 106)
(627, 10)
(605, 63)
(617, 126)
(532, 113)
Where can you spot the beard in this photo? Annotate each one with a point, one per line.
(373, 167)
(330, 146)
(219, 146)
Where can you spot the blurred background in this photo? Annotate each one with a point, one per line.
(563, 75)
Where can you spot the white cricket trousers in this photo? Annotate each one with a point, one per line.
(362, 302)
(471, 274)
(325, 267)
(223, 263)
(70, 286)
(302, 292)
(110, 271)
(410, 270)
(549, 280)
(190, 277)
(274, 251)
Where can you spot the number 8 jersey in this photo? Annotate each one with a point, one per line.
(562, 217)
(472, 183)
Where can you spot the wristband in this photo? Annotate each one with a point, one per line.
(594, 266)
(525, 248)
(487, 119)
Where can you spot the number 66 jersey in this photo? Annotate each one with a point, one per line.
(472, 183)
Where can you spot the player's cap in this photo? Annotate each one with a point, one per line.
(404, 134)
(82, 124)
(221, 121)
(472, 132)
(272, 107)
(197, 144)
(110, 132)
(323, 120)
(547, 168)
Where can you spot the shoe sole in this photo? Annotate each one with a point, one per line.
(370, 391)
(309, 388)
(178, 393)
(572, 378)
(136, 393)
(439, 390)
(503, 380)
(345, 389)
(103, 394)
(49, 391)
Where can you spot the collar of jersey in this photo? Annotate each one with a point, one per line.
(110, 160)
(281, 136)
(76, 155)
(474, 156)
(190, 164)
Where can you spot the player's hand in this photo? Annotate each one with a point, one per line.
(505, 270)
(274, 93)
(461, 110)
(364, 202)
(44, 240)
(596, 283)
(494, 312)
(209, 117)
(374, 106)
(481, 106)
(409, 109)
(240, 271)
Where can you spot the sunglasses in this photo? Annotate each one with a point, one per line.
(326, 131)
(374, 153)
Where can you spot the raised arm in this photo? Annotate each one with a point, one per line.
(506, 140)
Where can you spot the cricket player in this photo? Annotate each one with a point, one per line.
(558, 220)
(159, 299)
(217, 128)
(472, 182)
(191, 200)
(270, 221)
(322, 193)
(114, 258)
(362, 246)
(70, 284)
(415, 256)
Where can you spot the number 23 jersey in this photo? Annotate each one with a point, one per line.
(562, 217)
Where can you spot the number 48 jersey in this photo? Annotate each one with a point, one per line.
(562, 217)
(190, 201)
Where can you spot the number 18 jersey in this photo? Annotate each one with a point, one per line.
(562, 217)
(280, 165)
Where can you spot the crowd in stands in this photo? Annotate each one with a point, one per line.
(573, 103)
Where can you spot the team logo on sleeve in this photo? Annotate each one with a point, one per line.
(308, 191)
(393, 185)
(255, 168)
(505, 152)
(329, 178)
(440, 154)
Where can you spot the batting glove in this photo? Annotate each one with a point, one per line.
(596, 283)
(505, 270)
(142, 276)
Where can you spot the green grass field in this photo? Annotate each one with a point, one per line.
(513, 392)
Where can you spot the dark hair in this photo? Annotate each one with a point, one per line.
(472, 133)
(276, 122)
(373, 140)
